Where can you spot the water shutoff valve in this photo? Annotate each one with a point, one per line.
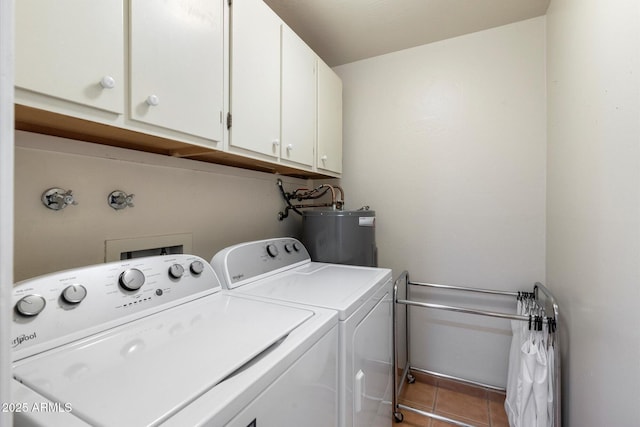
(57, 198)
(119, 200)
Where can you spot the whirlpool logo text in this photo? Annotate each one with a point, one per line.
(22, 339)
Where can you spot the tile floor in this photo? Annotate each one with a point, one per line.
(469, 404)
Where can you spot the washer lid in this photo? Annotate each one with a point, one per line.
(339, 287)
(143, 372)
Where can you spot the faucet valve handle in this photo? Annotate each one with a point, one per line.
(57, 198)
(119, 200)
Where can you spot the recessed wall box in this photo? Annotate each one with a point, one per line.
(137, 247)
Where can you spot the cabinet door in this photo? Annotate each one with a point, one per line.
(255, 77)
(67, 48)
(298, 99)
(176, 62)
(329, 155)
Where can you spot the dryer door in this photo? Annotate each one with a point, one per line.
(372, 383)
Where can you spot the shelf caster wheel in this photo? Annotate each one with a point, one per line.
(411, 379)
(398, 417)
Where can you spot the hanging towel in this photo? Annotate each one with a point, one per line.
(550, 385)
(530, 396)
(540, 383)
(526, 406)
(510, 403)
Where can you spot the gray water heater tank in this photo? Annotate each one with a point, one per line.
(341, 237)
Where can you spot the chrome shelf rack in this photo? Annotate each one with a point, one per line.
(541, 294)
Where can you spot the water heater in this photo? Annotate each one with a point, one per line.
(340, 236)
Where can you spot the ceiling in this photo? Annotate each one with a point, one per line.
(343, 31)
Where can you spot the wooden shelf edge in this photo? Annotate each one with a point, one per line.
(49, 123)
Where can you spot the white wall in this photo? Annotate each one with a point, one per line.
(6, 199)
(446, 142)
(218, 205)
(593, 243)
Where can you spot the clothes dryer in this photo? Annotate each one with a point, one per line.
(281, 270)
(155, 341)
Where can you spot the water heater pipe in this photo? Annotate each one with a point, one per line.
(302, 194)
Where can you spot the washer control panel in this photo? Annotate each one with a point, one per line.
(56, 308)
(244, 263)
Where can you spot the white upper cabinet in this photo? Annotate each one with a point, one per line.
(329, 154)
(255, 78)
(176, 54)
(274, 91)
(71, 50)
(298, 99)
(162, 75)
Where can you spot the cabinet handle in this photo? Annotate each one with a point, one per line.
(153, 100)
(108, 82)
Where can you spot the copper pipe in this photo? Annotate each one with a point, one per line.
(333, 194)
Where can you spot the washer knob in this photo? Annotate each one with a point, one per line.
(272, 250)
(296, 247)
(196, 267)
(176, 271)
(288, 248)
(74, 294)
(132, 279)
(31, 305)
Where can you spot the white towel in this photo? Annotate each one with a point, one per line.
(510, 402)
(526, 406)
(550, 384)
(540, 383)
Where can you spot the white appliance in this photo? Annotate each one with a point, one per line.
(281, 269)
(153, 341)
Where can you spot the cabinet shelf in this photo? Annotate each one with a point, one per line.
(49, 123)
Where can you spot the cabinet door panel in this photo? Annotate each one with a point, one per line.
(298, 99)
(329, 154)
(255, 77)
(176, 55)
(65, 48)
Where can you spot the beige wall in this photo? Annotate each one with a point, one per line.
(593, 196)
(446, 142)
(218, 205)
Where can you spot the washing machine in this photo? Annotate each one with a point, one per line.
(281, 270)
(156, 341)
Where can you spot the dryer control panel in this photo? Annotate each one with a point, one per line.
(244, 263)
(57, 308)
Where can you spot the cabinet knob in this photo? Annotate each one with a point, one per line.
(275, 142)
(108, 82)
(324, 158)
(153, 100)
(289, 147)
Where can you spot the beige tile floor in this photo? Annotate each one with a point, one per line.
(471, 405)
